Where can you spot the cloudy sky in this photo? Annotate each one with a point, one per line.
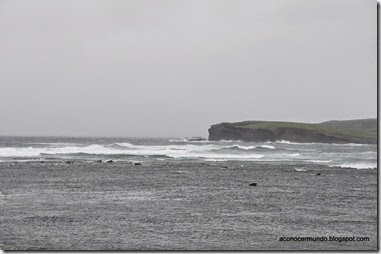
(173, 68)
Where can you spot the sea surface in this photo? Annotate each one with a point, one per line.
(67, 193)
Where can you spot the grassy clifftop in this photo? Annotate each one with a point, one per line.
(367, 125)
(356, 131)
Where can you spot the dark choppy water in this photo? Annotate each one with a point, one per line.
(185, 195)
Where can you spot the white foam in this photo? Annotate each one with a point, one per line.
(19, 152)
(178, 140)
(250, 147)
(283, 141)
(190, 141)
(174, 151)
(229, 141)
(352, 144)
(357, 165)
(211, 151)
(291, 154)
(317, 143)
(320, 161)
(268, 146)
(300, 169)
(241, 147)
(192, 147)
(294, 143)
(34, 152)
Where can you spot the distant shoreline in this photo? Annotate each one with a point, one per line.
(362, 131)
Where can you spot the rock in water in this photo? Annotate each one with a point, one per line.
(110, 161)
(197, 139)
(137, 164)
(69, 162)
(253, 184)
(318, 174)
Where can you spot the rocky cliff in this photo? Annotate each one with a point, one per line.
(260, 131)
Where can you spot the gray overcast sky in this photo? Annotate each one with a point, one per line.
(173, 68)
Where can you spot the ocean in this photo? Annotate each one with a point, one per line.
(71, 193)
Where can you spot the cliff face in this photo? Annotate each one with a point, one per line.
(294, 132)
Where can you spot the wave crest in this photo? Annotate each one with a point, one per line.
(357, 165)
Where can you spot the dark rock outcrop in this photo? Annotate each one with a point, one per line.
(196, 139)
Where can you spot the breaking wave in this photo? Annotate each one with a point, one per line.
(268, 146)
(348, 155)
(183, 140)
(172, 151)
(335, 144)
(320, 161)
(357, 165)
(178, 140)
